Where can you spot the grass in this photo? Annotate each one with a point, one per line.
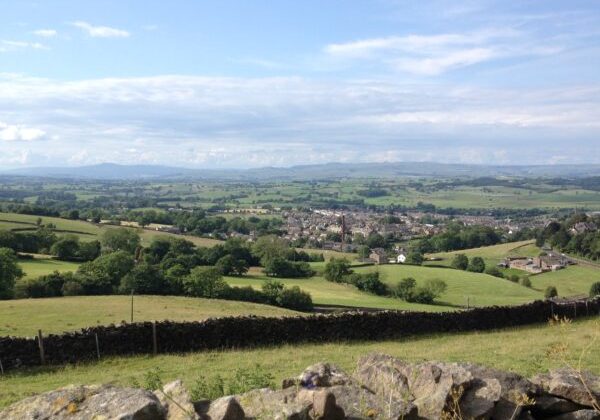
(324, 292)
(41, 266)
(522, 350)
(492, 255)
(573, 280)
(23, 317)
(480, 289)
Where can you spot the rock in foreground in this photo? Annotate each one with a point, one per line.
(382, 387)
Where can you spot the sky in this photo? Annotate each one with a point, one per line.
(253, 83)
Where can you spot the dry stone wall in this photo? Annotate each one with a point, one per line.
(252, 331)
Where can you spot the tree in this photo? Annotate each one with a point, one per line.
(228, 265)
(269, 247)
(113, 266)
(364, 251)
(272, 289)
(550, 292)
(375, 240)
(121, 239)
(89, 251)
(10, 272)
(205, 282)
(476, 265)
(525, 281)
(337, 269)
(145, 279)
(437, 287)
(66, 248)
(460, 262)
(405, 288)
(595, 289)
(415, 257)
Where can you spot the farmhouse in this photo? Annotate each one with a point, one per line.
(379, 256)
(550, 261)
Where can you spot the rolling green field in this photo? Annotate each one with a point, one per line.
(324, 292)
(42, 266)
(479, 289)
(522, 350)
(23, 317)
(573, 280)
(492, 255)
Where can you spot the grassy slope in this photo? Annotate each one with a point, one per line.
(573, 280)
(41, 266)
(491, 254)
(23, 317)
(521, 350)
(481, 289)
(327, 293)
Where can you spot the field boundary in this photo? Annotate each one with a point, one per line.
(252, 331)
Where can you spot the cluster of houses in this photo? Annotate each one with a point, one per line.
(547, 261)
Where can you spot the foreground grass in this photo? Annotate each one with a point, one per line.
(23, 317)
(522, 350)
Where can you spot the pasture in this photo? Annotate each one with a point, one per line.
(23, 317)
(522, 350)
(42, 266)
(475, 288)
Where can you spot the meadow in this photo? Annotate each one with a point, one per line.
(23, 317)
(522, 350)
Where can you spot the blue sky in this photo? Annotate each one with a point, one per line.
(258, 83)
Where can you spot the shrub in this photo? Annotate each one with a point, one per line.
(369, 283)
(525, 281)
(476, 265)
(272, 289)
(245, 294)
(66, 248)
(72, 288)
(436, 286)
(460, 262)
(514, 278)
(422, 295)
(494, 271)
(337, 269)
(296, 299)
(50, 285)
(243, 380)
(595, 289)
(550, 292)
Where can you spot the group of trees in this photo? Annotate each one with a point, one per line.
(474, 265)
(44, 241)
(559, 236)
(339, 271)
(168, 266)
(457, 236)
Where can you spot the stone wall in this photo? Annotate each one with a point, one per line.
(251, 331)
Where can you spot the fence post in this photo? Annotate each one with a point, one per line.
(41, 346)
(1, 367)
(97, 346)
(154, 339)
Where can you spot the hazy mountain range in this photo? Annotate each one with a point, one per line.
(111, 171)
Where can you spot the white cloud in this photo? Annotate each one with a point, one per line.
(432, 55)
(100, 31)
(8, 45)
(46, 33)
(231, 122)
(19, 133)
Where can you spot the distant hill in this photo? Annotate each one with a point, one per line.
(111, 171)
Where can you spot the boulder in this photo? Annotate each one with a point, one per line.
(323, 403)
(433, 387)
(87, 402)
(224, 408)
(567, 384)
(578, 415)
(176, 400)
(359, 403)
(279, 405)
(549, 405)
(319, 375)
